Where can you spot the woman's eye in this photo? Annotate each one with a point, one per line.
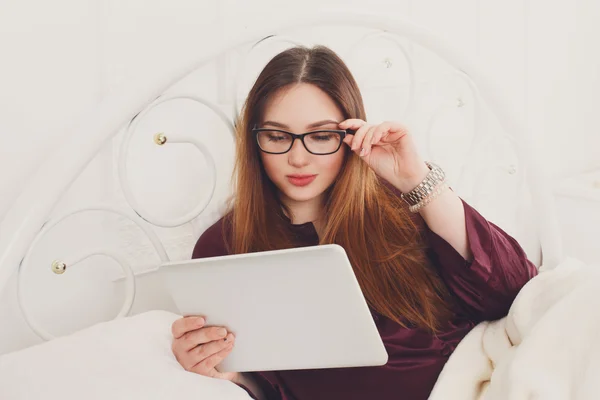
(323, 138)
(276, 138)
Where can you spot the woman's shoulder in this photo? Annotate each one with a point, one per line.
(213, 241)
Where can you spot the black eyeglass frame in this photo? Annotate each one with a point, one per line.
(295, 136)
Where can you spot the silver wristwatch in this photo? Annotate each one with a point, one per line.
(434, 178)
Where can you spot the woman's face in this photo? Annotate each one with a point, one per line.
(299, 175)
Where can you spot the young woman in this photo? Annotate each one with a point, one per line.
(309, 170)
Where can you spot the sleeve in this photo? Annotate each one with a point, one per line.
(485, 287)
(212, 243)
(268, 383)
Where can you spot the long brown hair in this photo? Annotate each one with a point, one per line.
(363, 215)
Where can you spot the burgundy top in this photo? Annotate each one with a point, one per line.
(484, 290)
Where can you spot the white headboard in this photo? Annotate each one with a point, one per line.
(165, 135)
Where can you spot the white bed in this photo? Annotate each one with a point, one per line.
(107, 238)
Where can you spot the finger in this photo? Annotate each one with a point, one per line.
(394, 132)
(358, 137)
(185, 325)
(203, 335)
(206, 350)
(188, 359)
(348, 139)
(208, 364)
(366, 145)
(351, 123)
(381, 131)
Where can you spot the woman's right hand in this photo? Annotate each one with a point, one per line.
(201, 349)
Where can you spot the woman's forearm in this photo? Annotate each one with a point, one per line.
(446, 216)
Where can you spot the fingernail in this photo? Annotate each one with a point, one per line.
(222, 332)
(229, 338)
(362, 152)
(199, 321)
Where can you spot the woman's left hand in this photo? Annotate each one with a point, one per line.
(388, 148)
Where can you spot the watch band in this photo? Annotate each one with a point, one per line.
(434, 178)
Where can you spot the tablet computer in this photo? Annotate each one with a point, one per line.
(289, 309)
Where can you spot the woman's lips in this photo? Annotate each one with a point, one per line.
(300, 180)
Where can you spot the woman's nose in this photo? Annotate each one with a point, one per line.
(298, 156)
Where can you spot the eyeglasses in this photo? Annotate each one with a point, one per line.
(322, 142)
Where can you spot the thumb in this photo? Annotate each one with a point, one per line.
(229, 376)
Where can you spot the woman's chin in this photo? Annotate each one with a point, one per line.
(299, 194)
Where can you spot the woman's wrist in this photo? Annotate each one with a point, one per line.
(407, 181)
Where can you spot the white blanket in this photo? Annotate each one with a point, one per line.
(124, 359)
(548, 347)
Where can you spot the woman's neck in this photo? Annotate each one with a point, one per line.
(304, 211)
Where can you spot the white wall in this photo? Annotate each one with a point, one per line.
(563, 83)
(50, 72)
(60, 58)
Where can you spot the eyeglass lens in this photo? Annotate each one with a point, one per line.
(321, 142)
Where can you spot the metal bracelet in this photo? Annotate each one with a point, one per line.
(424, 189)
(436, 193)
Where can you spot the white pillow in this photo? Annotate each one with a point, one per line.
(128, 358)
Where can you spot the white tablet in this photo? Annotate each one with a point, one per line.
(289, 309)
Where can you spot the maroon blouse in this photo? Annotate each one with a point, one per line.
(484, 290)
